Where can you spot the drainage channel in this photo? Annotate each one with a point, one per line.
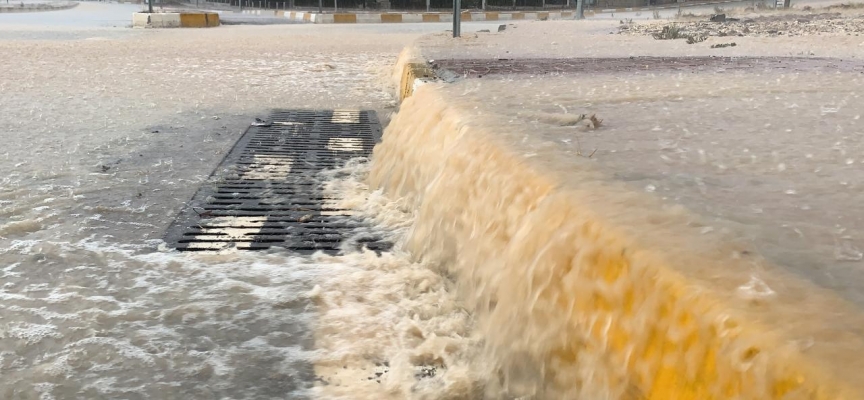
(269, 192)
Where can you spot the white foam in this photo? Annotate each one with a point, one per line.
(30, 333)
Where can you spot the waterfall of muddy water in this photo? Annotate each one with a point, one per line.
(388, 327)
(738, 273)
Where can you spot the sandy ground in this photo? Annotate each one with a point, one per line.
(841, 20)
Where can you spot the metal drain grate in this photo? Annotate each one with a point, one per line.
(267, 192)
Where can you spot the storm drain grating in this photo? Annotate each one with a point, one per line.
(268, 191)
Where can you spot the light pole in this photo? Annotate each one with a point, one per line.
(457, 18)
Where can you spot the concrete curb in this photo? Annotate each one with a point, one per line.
(694, 344)
(388, 18)
(37, 8)
(398, 17)
(414, 75)
(175, 20)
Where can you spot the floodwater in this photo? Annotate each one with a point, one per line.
(774, 156)
(525, 202)
(105, 134)
(745, 182)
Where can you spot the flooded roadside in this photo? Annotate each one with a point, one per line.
(104, 141)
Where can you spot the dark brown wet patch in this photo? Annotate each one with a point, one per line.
(479, 68)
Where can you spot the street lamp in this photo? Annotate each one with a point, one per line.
(457, 18)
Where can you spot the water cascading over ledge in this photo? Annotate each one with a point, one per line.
(591, 290)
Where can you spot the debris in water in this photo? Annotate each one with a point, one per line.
(426, 372)
(755, 289)
(844, 250)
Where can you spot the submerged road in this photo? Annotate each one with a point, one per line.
(108, 132)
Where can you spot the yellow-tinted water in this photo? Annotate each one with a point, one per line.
(582, 286)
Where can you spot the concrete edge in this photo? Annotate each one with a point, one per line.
(416, 17)
(175, 20)
(419, 17)
(414, 75)
(784, 373)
